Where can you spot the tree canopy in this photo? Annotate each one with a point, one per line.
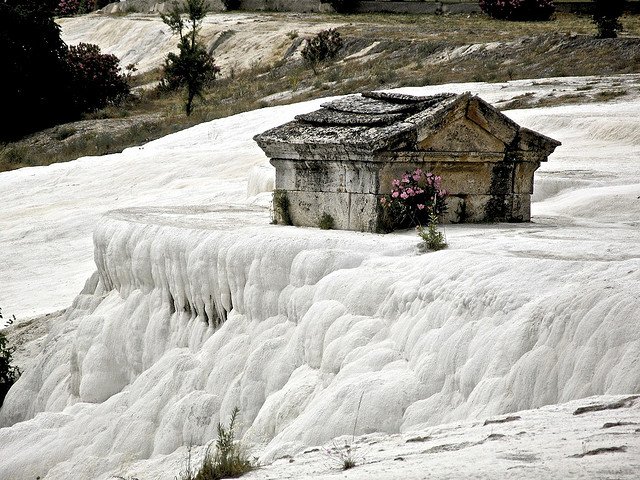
(35, 80)
(606, 17)
(192, 68)
(44, 82)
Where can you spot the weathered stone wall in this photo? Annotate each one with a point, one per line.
(341, 160)
(483, 187)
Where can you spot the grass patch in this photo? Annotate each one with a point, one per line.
(281, 208)
(610, 95)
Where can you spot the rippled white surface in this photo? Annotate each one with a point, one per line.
(510, 317)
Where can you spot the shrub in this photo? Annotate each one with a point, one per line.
(14, 156)
(96, 78)
(326, 44)
(414, 197)
(231, 4)
(344, 6)
(8, 373)
(67, 8)
(45, 82)
(344, 457)
(431, 237)
(229, 460)
(521, 10)
(606, 17)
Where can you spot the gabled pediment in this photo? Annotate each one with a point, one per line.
(467, 124)
(461, 135)
(359, 126)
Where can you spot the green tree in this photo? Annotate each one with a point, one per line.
(34, 80)
(343, 6)
(192, 68)
(606, 17)
(231, 4)
(43, 81)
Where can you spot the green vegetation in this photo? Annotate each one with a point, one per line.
(324, 46)
(414, 197)
(281, 207)
(231, 4)
(229, 459)
(519, 10)
(33, 72)
(9, 373)
(343, 457)
(432, 238)
(44, 82)
(348, 462)
(606, 17)
(192, 68)
(326, 222)
(66, 8)
(344, 6)
(95, 78)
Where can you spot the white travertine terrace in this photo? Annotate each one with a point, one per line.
(199, 305)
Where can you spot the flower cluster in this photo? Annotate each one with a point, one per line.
(66, 8)
(414, 197)
(96, 77)
(524, 10)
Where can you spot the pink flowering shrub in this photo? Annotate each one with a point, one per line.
(413, 198)
(523, 10)
(96, 79)
(67, 8)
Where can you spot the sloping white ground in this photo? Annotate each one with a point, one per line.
(238, 41)
(548, 443)
(510, 317)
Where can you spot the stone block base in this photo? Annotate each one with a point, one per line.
(361, 212)
(350, 211)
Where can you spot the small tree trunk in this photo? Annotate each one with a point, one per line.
(189, 105)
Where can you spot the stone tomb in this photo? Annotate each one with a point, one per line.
(341, 159)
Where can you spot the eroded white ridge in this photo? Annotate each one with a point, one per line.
(196, 310)
(313, 322)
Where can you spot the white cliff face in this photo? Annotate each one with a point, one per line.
(145, 41)
(196, 309)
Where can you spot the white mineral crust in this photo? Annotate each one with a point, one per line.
(199, 305)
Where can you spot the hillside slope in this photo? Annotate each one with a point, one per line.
(262, 66)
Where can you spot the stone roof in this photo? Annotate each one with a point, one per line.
(377, 121)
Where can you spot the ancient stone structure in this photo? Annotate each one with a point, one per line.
(341, 159)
